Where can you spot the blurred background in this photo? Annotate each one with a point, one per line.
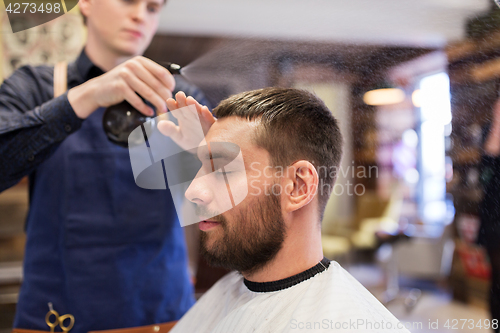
(412, 82)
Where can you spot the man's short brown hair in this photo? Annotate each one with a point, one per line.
(296, 125)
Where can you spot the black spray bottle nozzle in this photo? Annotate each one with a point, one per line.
(172, 68)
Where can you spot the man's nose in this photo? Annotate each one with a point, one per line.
(139, 11)
(198, 192)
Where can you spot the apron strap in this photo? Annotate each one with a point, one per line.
(158, 328)
(60, 78)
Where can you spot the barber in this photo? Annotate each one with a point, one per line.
(98, 247)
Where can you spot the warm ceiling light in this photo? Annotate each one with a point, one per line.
(416, 98)
(384, 96)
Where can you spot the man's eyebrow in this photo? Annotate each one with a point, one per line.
(215, 155)
(157, 3)
(218, 150)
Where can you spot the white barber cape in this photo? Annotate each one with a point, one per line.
(317, 300)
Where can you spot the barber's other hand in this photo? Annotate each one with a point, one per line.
(137, 75)
(187, 134)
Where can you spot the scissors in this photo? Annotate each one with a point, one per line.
(59, 320)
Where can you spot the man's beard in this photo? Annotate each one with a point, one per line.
(250, 241)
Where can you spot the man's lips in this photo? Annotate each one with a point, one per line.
(207, 225)
(135, 33)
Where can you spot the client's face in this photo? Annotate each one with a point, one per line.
(250, 234)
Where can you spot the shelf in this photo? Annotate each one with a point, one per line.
(469, 48)
(469, 156)
(477, 73)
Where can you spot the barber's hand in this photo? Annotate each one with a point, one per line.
(187, 134)
(137, 75)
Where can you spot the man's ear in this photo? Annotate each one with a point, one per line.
(300, 185)
(84, 6)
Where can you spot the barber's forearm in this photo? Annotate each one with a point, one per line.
(81, 99)
(24, 147)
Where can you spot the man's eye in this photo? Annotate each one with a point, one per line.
(220, 172)
(153, 9)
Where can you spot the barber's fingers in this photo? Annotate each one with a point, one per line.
(146, 92)
(168, 128)
(180, 97)
(191, 101)
(188, 117)
(160, 72)
(206, 118)
(172, 105)
(182, 115)
(134, 100)
(204, 115)
(192, 111)
(150, 80)
(180, 102)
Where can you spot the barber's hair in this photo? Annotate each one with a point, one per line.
(296, 125)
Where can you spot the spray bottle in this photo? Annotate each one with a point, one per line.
(121, 119)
